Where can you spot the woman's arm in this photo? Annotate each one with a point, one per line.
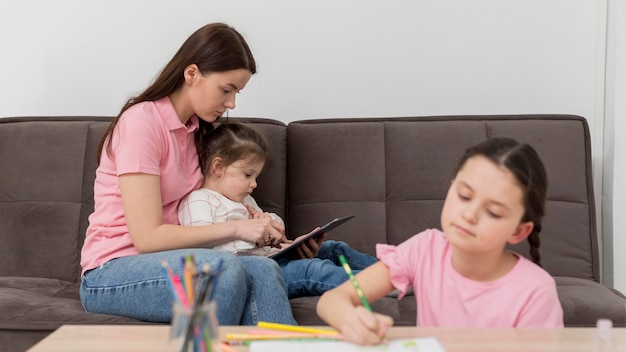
(143, 209)
(341, 307)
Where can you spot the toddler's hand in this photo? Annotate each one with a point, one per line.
(257, 214)
(309, 249)
(262, 232)
(274, 239)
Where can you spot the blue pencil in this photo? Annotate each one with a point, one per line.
(218, 271)
(168, 279)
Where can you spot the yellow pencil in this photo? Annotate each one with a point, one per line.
(253, 337)
(295, 328)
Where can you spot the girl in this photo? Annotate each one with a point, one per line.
(464, 276)
(147, 164)
(231, 162)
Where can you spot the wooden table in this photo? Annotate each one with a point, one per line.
(153, 338)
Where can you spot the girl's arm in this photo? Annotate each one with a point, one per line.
(141, 199)
(341, 307)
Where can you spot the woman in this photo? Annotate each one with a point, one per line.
(147, 164)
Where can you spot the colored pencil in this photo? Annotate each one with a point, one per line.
(355, 283)
(295, 328)
(175, 284)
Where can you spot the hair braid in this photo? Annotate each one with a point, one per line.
(534, 241)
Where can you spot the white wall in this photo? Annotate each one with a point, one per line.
(316, 58)
(615, 144)
(331, 58)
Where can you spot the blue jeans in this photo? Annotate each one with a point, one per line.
(249, 290)
(312, 277)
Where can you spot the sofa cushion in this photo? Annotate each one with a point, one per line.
(45, 304)
(402, 311)
(586, 301)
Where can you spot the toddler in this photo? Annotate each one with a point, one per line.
(231, 160)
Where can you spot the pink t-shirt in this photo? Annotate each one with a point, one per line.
(149, 138)
(525, 297)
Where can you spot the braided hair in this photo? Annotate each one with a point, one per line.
(525, 164)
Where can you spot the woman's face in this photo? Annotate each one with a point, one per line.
(210, 95)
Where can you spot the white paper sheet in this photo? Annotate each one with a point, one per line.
(423, 344)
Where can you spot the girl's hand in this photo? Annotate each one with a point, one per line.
(364, 328)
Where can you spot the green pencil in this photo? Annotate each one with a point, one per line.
(355, 283)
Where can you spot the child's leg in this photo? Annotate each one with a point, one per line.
(311, 277)
(333, 249)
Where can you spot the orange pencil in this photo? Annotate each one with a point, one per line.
(188, 274)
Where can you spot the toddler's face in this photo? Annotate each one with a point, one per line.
(239, 179)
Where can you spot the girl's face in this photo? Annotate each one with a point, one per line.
(483, 209)
(210, 95)
(238, 180)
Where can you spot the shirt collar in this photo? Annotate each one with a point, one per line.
(166, 109)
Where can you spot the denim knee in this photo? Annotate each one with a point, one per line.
(135, 286)
(268, 296)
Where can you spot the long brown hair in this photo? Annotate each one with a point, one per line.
(216, 47)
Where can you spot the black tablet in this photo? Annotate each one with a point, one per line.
(324, 229)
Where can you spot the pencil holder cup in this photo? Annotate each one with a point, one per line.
(194, 328)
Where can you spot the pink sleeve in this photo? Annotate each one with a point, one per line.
(415, 261)
(138, 143)
(400, 278)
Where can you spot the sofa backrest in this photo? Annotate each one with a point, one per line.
(46, 193)
(46, 190)
(393, 173)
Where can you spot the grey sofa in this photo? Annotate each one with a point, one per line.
(391, 172)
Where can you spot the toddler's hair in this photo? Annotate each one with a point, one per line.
(231, 141)
(525, 164)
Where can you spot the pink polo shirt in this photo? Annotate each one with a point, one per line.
(525, 297)
(149, 138)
